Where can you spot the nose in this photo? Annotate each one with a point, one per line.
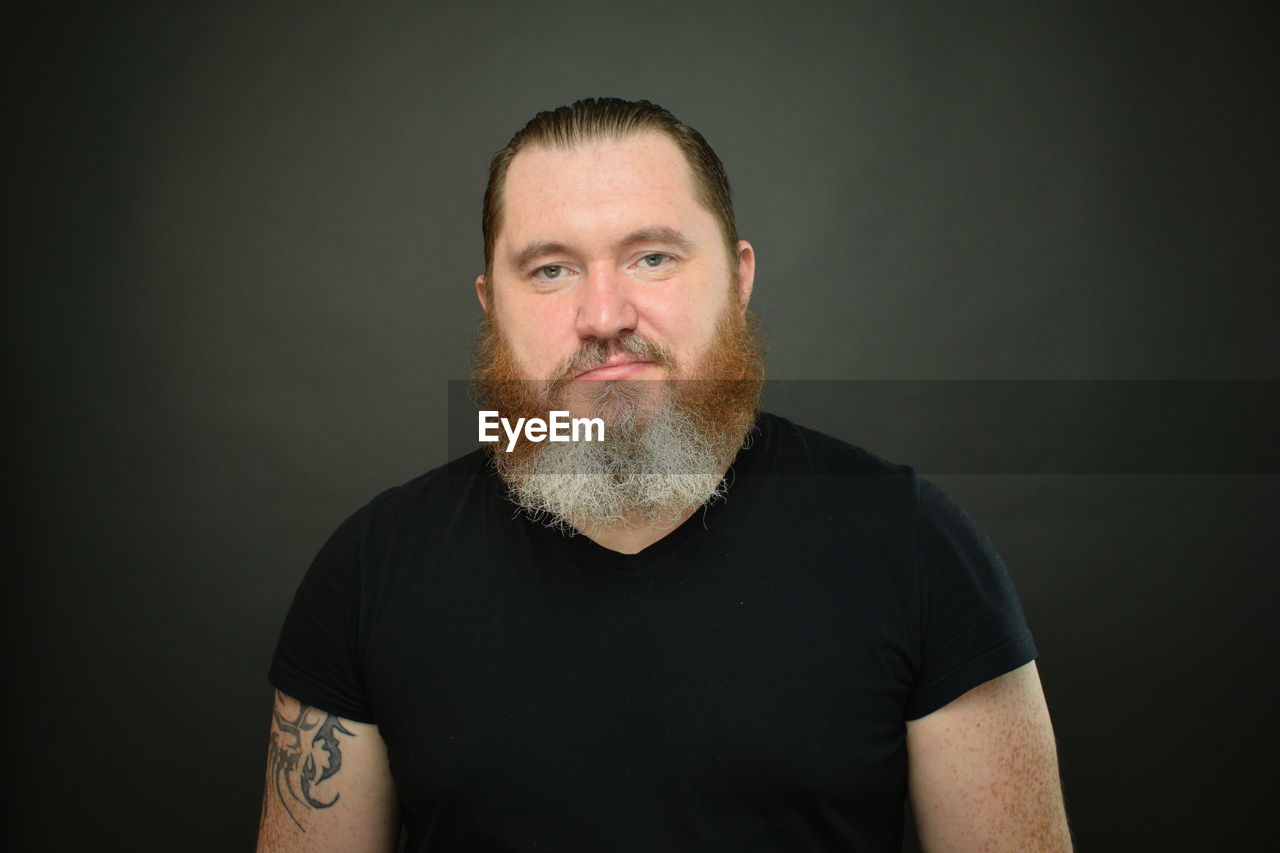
(605, 306)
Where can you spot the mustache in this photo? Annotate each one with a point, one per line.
(596, 352)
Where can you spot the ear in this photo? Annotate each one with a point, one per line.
(480, 293)
(746, 273)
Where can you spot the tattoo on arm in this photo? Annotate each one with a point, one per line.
(304, 751)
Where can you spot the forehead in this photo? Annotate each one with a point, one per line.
(606, 186)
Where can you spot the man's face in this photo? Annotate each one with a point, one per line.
(603, 246)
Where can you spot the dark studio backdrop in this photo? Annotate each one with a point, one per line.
(245, 243)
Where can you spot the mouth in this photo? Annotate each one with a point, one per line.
(620, 369)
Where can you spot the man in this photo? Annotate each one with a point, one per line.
(712, 630)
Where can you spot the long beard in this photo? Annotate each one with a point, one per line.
(666, 442)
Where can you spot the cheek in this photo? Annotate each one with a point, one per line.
(704, 305)
(538, 333)
(686, 325)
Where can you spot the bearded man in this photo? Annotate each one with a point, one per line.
(712, 630)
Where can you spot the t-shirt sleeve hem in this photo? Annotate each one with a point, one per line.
(309, 693)
(1017, 651)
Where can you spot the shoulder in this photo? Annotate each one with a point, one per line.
(464, 485)
(798, 449)
(803, 449)
(834, 489)
(843, 475)
(833, 465)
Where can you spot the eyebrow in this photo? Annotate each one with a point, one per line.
(652, 234)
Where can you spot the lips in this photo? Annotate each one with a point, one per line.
(618, 369)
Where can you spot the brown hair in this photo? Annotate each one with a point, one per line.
(594, 119)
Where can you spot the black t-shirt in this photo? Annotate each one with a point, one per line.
(741, 684)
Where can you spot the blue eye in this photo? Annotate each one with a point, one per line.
(653, 256)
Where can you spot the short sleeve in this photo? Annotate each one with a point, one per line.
(316, 659)
(972, 628)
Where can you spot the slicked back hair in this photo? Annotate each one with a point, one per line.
(598, 119)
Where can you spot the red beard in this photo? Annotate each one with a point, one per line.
(719, 398)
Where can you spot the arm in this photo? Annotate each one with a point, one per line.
(328, 785)
(984, 771)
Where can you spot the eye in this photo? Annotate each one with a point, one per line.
(653, 260)
(550, 272)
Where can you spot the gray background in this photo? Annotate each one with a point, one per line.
(245, 242)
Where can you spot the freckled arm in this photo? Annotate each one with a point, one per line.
(984, 771)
